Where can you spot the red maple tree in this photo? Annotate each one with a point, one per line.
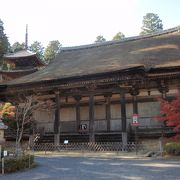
(170, 114)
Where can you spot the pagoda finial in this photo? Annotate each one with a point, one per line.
(26, 37)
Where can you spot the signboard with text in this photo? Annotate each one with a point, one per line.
(135, 120)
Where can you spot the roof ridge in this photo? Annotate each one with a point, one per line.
(132, 38)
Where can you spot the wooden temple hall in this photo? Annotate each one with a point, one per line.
(94, 90)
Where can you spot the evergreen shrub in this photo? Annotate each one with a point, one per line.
(13, 164)
(172, 148)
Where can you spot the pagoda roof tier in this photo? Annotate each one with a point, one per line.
(12, 74)
(153, 52)
(24, 55)
(26, 71)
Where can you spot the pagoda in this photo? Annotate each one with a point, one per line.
(19, 64)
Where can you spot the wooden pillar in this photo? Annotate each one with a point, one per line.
(108, 111)
(134, 93)
(91, 119)
(123, 120)
(57, 120)
(123, 111)
(78, 117)
(164, 93)
(163, 88)
(135, 105)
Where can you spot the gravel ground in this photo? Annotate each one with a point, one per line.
(87, 168)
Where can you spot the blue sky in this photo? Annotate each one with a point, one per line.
(77, 22)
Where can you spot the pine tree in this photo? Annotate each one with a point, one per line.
(151, 23)
(118, 36)
(37, 48)
(52, 49)
(100, 39)
(4, 44)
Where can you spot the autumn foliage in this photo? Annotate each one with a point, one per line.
(7, 110)
(170, 113)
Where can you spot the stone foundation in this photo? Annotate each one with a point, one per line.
(151, 144)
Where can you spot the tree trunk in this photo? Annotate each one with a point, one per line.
(18, 151)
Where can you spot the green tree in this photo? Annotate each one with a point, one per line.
(4, 43)
(52, 49)
(118, 36)
(37, 48)
(100, 39)
(17, 47)
(151, 23)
